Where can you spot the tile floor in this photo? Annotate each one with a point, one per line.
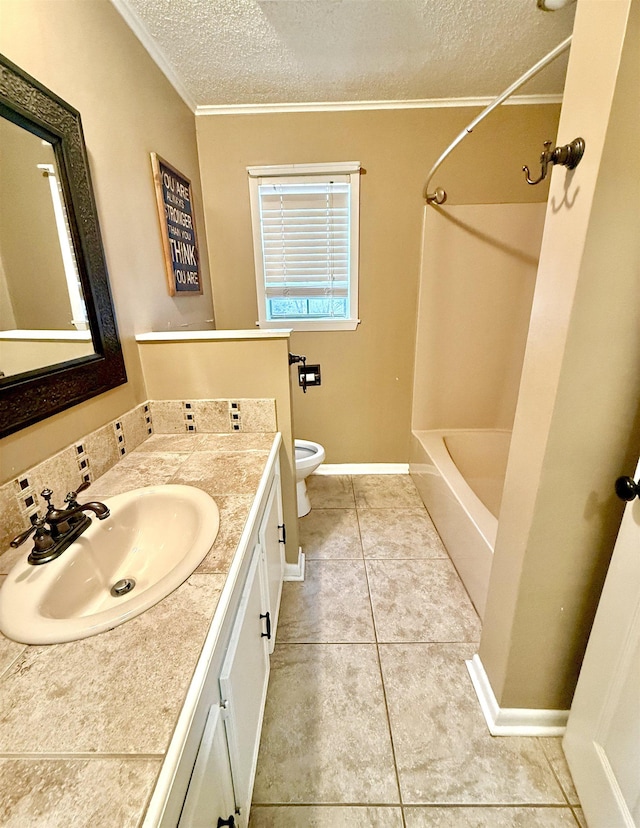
(371, 719)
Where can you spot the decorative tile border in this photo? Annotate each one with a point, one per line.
(213, 416)
(120, 441)
(83, 462)
(189, 414)
(27, 497)
(148, 421)
(235, 419)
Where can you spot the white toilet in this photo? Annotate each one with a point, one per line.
(308, 457)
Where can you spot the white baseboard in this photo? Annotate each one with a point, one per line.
(295, 572)
(363, 468)
(512, 721)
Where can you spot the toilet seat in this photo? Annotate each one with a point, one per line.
(302, 452)
(309, 455)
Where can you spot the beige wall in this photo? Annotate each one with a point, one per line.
(20, 355)
(362, 411)
(29, 244)
(478, 274)
(228, 369)
(7, 317)
(577, 423)
(86, 54)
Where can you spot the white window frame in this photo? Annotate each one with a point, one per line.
(284, 172)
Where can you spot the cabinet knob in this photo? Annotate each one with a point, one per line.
(229, 821)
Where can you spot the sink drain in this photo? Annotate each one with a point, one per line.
(122, 586)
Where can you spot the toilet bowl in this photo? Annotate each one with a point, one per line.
(308, 457)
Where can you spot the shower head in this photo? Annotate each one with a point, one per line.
(553, 5)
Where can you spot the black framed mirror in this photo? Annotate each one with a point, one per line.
(35, 388)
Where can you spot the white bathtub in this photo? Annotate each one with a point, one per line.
(460, 477)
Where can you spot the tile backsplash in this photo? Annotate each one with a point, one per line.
(93, 455)
(212, 416)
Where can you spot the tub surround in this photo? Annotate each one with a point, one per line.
(460, 476)
(85, 726)
(481, 458)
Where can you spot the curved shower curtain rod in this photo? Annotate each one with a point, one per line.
(439, 196)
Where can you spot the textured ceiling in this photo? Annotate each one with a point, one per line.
(229, 52)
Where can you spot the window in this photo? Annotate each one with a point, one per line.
(305, 239)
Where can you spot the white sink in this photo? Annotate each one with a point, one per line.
(155, 537)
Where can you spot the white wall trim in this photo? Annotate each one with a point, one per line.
(347, 106)
(512, 721)
(140, 31)
(363, 468)
(200, 336)
(295, 572)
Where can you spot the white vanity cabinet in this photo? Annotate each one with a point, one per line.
(271, 538)
(245, 670)
(207, 778)
(243, 684)
(212, 763)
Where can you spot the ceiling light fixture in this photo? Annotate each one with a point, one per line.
(553, 5)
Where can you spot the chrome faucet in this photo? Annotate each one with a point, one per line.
(64, 526)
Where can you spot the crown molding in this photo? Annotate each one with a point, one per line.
(354, 106)
(138, 28)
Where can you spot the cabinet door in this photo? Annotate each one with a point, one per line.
(210, 794)
(243, 685)
(273, 556)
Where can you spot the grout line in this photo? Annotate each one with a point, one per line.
(387, 644)
(395, 805)
(384, 689)
(555, 775)
(355, 502)
(362, 553)
(575, 816)
(5, 671)
(328, 643)
(69, 756)
(310, 557)
(393, 747)
(548, 806)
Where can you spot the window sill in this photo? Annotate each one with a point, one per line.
(312, 324)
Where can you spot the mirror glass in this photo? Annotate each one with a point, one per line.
(43, 316)
(59, 342)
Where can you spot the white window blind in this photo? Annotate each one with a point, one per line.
(304, 238)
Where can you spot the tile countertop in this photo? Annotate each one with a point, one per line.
(84, 726)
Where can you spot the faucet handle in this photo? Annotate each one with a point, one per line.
(21, 538)
(71, 496)
(47, 494)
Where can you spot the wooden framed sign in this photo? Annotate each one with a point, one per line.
(178, 229)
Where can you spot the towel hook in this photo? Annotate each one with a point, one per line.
(567, 156)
